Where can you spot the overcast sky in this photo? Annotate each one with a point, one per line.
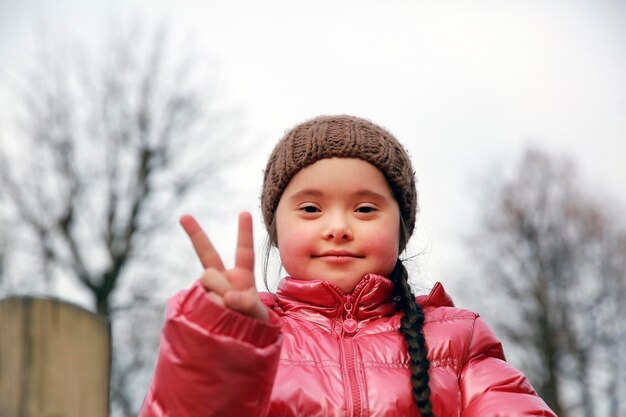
(461, 84)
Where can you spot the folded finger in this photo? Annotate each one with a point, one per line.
(215, 298)
(246, 302)
(215, 281)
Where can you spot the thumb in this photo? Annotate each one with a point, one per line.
(246, 302)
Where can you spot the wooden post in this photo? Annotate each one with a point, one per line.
(54, 359)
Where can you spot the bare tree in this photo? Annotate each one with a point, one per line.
(106, 147)
(108, 141)
(554, 255)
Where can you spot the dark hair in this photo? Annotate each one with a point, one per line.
(411, 325)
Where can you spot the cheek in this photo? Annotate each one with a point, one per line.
(386, 247)
(287, 246)
(294, 252)
(291, 240)
(384, 243)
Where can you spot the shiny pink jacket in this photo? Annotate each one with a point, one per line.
(327, 353)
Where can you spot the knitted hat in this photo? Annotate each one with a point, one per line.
(340, 137)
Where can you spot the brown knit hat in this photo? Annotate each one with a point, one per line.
(340, 137)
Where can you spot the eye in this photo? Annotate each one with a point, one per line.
(366, 209)
(309, 208)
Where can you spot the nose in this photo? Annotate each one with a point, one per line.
(338, 228)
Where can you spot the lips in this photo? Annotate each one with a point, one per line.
(338, 254)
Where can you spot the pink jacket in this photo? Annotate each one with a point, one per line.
(307, 362)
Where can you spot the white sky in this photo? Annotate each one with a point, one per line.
(461, 84)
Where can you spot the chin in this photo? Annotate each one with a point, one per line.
(347, 285)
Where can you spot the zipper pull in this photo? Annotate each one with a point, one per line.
(349, 324)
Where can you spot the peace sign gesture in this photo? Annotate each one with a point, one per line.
(233, 288)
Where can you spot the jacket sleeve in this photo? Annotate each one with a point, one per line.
(212, 361)
(490, 386)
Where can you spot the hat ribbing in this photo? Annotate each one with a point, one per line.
(340, 137)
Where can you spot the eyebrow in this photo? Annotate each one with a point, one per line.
(311, 192)
(306, 193)
(369, 193)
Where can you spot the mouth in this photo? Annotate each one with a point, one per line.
(338, 254)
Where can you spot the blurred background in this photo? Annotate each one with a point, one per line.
(116, 117)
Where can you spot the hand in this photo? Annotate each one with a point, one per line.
(233, 288)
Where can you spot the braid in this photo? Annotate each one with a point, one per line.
(411, 327)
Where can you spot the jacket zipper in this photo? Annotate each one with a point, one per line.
(355, 405)
(349, 358)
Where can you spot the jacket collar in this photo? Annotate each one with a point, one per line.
(372, 297)
(438, 297)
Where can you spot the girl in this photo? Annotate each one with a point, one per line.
(343, 335)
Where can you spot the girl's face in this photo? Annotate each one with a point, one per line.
(337, 221)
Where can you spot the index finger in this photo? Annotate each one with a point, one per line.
(208, 256)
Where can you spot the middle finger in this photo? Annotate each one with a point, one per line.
(244, 255)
